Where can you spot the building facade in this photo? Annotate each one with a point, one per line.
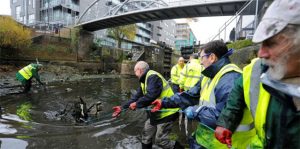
(164, 31)
(45, 13)
(184, 36)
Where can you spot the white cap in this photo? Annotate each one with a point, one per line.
(279, 14)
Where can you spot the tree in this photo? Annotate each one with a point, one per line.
(13, 34)
(122, 32)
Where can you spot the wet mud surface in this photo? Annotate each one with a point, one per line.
(33, 120)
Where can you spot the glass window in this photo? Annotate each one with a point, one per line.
(14, 1)
(18, 13)
(31, 18)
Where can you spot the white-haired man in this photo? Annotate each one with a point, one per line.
(159, 124)
(270, 85)
(175, 74)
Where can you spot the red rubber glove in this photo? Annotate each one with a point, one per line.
(181, 90)
(132, 106)
(157, 105)
(117, 111)
(223, 135)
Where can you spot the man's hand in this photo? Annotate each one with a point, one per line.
(132, 106)
(117, 111)
(223, 135)
(157, 105)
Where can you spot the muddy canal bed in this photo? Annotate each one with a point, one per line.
(33, 120)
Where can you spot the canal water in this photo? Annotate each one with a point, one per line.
(38, 120)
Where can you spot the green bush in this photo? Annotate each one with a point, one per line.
(51, 48)
(240, 44)
(13, 34)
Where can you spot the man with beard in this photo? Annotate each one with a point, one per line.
(270, 85)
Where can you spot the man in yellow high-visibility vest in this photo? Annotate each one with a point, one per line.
(175, 74)
(159, 124)
(206, 99)
(190, 73)
(26, 74)
(270, 86)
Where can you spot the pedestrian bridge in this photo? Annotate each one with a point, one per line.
(112, 13)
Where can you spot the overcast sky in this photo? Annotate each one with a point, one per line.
(204, 28)
(4, 7)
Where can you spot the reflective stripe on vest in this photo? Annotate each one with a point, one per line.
(245, 127)
(207, 86)
(190, 74)
(166, 92)
(26, 72)
(256, 97)
(205, 137)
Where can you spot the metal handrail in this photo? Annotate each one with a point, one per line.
(168, 3)
(223, 27)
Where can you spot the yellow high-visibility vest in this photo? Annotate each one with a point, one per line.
(175, 74)
(190, 74)
(245, 131)
(257, 100)
(166, 92)
(26, 72)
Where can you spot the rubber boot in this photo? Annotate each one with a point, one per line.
(178, 145)
(147, 146)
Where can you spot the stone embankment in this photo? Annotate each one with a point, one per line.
(49, 73)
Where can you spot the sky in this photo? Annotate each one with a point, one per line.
(4, 7)
(204, 28)
(207, 27)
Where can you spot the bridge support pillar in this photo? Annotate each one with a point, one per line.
(84, 42)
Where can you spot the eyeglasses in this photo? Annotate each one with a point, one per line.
(205, 55)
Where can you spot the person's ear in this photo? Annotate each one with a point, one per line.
(213, 57)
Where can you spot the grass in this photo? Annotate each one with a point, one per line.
(239, 44)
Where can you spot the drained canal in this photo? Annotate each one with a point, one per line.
(42, 119)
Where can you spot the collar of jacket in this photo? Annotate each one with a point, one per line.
(213, 69)
(143, 77)
(195, 61)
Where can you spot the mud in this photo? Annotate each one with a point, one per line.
(32, 120)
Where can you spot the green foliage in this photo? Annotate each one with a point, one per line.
(239, 44)
(98, 42)
(13, 34)
(51, 48)
(122, 32)
(24, 111)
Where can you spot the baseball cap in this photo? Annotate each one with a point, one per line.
(279, 14)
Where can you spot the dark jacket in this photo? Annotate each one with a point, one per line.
(282, 121)
(207, 115)
(154, 89)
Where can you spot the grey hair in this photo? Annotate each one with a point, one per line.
(293, 31)
(142, 65)
(180, 58)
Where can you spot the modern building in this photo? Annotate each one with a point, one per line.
(45, 13)
(164, 31)
(142, 37)
(184, 36)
